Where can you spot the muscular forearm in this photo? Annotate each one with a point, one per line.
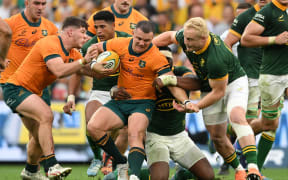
(190, 83)
(178, 93)
(164, 39)
(74, 83)
(211, 98)
(254, 40)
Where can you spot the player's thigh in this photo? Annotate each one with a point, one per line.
(272, 88)
(26, 103)
(106, 119)
(183, 150)
(156, 148)
(237, 95)
(253, 102)
(96, 100)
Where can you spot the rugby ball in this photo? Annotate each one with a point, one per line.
(112, 59)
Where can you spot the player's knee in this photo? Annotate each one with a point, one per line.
(218, 140)
(242, 130)
(47, 117)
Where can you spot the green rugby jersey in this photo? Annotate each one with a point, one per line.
(167, 121)
(106, 83)
(214, 61)
(274, 19)
(250, 58)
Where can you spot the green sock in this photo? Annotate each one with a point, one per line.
(32, 168)
(145, 174)
(135, 159)
(230, 130)
(232, 160)
(95, 149)
(264, 146)
(183, 174)
(250, 153)
(108, 145)
(50, 161)
(42, 162)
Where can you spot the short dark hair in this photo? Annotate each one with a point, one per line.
(146, 26)
(243, 6)
(74, 21)
(105, 16)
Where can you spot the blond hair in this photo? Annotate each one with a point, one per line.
(198, 24)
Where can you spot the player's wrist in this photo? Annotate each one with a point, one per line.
(186, 102)
(168, 80)
(271, 40)
(71, 98)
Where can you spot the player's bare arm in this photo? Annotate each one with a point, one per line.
(189, 82)
(218, 91)
(231, 39)
(165, 39)
(5, 40)
(61, 69)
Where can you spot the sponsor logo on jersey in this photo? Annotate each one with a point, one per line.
(132, 25)
(34, 32)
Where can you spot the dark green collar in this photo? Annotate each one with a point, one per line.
(121, 15)
(37, 24)
(131, 52)
(63, 48)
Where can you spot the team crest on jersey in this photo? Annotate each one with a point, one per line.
(142, 63)
(202, 62)
(132, 25)
(44, 32)
(71, 60)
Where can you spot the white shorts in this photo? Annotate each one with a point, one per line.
(236, 95)
(102, 96)
(272, 88)
(180, 148)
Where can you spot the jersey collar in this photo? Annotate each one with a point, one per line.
(205, 46)
(135, 53)
(37, 24)
(278, 5)
(256, 7)
(120, 15)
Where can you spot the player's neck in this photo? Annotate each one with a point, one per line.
(29, 17)
(66, 42)
(118, 10)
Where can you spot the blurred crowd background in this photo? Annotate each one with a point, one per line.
(166, 14)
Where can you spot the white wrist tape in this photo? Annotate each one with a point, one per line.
(168, 80)
(92, 63)
(71, 97)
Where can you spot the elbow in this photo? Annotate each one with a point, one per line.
(59, 74)
(245, 41)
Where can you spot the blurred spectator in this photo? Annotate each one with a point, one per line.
(146, 9)
(163, 5)
(5, 8)
(63, 11)
(14, 10)
(213, 9)
(197, 10)
(164, 23)
(178, 14)
(228, 16)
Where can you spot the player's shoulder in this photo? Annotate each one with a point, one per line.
(137, 14)
(47, 22)
(15, 19)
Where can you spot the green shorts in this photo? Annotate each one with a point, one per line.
(15, 95)
(124, 108)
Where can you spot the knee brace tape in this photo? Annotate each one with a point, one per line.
(242, 130)
(271, 112)
(252, 113)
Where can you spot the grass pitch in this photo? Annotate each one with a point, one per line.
(12, 172)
